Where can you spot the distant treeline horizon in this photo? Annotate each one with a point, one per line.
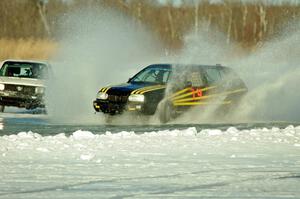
(242, 23)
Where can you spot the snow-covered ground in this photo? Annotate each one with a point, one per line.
(208, 163)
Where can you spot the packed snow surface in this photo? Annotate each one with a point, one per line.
(210, 163)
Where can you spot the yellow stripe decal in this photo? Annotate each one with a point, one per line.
(144, 88)
(180, 92)
(208, 88)
(191, 93)
(209, 96)
(137, 91)
(193, 99)
(200, 103)
(153, 89)
(106, 89)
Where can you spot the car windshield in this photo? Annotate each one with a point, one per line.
(24, 70)
(152, 75)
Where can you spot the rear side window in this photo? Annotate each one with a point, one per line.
(213, 75)
(231, 79)
(187, 76)
(196, 79)
(229, 74)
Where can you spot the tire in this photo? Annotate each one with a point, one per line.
(108, 119)
(225, 111)
(2, 108)
(165, 111)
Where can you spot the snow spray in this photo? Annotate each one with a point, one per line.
(97, 49)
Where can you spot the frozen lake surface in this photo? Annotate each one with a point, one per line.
(39, 159)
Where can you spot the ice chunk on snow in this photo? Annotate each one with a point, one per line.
(232, 130)
(25, 135)
(79, 135)
(42, 149)
(87, 156)
(290, 127)
(214, 132)
(60, 136)
(190, 131)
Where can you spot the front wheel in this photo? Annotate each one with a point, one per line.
(108, 119)
(165, 111)
(2, 108)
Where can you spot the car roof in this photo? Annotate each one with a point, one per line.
(24, 61)
(187, 65)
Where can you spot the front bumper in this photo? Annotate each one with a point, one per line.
(9, 98)
(116, 108)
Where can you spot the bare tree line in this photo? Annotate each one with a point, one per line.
(247, 24)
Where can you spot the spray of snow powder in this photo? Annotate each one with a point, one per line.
(105, 47)
(271, 74)
(97, 49)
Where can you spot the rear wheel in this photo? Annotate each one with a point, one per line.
(224, 111)
(2, 108)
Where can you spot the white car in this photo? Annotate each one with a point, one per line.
(22, 83)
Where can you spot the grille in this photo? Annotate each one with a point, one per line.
(117, 98)
(25, 89)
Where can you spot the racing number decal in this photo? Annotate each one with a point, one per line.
(196, 92)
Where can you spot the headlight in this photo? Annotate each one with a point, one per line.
(39, 90)
(2, 87)
(136, 98)
(102, 96)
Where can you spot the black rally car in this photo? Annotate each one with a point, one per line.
(172, 89)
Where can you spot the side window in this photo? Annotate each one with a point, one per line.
(229, 75)
(231, 79)
(150, 76)
(145, 75)
(213, 75)
(2, 70)
(156, 75)
(165, 76)
(13, 71)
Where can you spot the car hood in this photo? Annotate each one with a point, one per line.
(128, 88)
(22, 81)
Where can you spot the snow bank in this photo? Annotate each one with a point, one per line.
(86, 145)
